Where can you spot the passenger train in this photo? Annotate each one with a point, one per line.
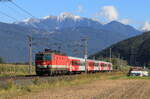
(53, 63)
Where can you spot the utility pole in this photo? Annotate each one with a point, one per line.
(85, 53)
(119, 61)
(94, 58)
(30, 53)
(110, 55)
(132, 56)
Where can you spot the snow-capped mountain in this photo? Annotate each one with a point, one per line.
(63, 32)
(68, 20)
(64, 20)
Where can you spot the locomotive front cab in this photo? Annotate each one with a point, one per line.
(43, 63)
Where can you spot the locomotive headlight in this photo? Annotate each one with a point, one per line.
(44, 63)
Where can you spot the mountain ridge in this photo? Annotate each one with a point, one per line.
(14, 41)
(67, 20)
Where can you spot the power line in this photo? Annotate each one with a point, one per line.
(13, 9)
(22, 9)
(8, 15)
(5, 0)
(27, 12)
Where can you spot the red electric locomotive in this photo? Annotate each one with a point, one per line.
(51, 62)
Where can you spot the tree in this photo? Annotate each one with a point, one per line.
(148, 65)
(1, 60)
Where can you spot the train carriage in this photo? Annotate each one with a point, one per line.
(76, 64)
(96, 66)
(90, 65)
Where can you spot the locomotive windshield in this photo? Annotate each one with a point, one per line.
(43, 57)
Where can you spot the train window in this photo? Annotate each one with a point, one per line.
(96, 64)
(91, 64)
(47, 57)
(39, 57)
(82, 63)
(105, 65)
(43, 57)
(102, 65)
(75, 63)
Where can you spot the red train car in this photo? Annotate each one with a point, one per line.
(51, 63)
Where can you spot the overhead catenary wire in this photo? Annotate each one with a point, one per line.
(14, 10)
(5, 14)
(30, 37)
(30, 14)
(5, 0)
(8, 16)
(22, 9)
(27, 12)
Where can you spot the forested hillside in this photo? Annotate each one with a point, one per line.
(135, 50)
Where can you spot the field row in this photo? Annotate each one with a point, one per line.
(97, 86)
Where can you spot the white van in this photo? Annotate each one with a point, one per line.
(139, 73)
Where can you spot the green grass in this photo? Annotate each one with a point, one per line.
(136, 77)
(120, 77)
(14, 70)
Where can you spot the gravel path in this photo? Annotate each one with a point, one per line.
(103, 89)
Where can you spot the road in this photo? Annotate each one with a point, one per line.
(102, 89)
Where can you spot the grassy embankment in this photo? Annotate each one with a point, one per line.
(15, 70)
(10, 89)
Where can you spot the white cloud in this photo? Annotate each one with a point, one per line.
(80, 9)
(110, 13)
(124, 21)
(146, 26)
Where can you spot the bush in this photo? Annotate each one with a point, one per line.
(9, 84)
(36, 81)
(1, 60)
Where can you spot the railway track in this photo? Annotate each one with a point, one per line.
(29, 78)
(17, 77)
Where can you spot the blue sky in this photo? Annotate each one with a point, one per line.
(133, 12)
